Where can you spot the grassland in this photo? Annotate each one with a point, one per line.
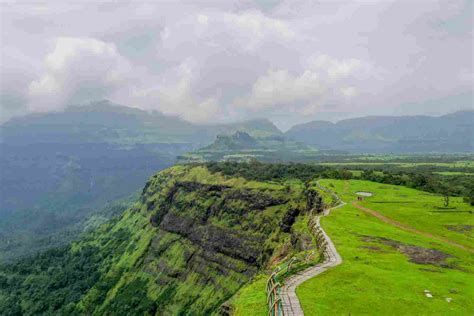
(386, 269)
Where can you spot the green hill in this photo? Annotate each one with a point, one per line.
(190, 242)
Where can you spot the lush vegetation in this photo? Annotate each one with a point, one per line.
(192, 240)
(418, 176)
(387, 269)
(202, 238)
(255, 170)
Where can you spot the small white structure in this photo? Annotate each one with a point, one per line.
(364, 193)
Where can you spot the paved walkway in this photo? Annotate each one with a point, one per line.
(291, 304)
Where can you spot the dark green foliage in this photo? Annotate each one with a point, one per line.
(426, 181)
(132, 299)
(266, 172)
(51, 280)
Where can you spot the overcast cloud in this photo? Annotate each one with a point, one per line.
(290, 61)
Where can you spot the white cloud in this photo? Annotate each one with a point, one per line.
(348, 92)
(335, 69)
(258, 57)
(76, 70)
(174, 96)
(256, 23)
(279, 87)
(304, 92)
(202, 19)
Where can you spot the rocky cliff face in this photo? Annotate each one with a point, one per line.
(189, 243)
(210, 236)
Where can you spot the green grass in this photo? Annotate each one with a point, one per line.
(381, 280)
(421, 210)
(251, 298)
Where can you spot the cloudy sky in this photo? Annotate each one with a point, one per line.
(217, 61)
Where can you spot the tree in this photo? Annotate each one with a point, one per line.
(446, 194)
(446, 199)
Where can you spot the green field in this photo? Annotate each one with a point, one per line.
(386, 269)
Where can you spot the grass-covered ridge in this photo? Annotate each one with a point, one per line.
(187, 246)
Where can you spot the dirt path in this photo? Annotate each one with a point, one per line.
(410, 229)
(291, 303)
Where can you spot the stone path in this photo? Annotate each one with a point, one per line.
(291, 304)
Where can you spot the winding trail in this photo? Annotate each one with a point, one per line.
(291, 304)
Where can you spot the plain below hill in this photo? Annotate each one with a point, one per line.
(391, 134)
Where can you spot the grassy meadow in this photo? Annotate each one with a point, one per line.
(386, 270)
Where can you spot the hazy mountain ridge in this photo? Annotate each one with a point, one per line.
(447, 133)
(104, 121)
(60, 168)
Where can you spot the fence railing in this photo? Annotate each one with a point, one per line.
(274, 300)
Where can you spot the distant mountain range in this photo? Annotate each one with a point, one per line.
(391, 134)
(60, 169)
(105, 122)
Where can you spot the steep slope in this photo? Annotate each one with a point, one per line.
(189, 243)
(58, 169)
(409, 134)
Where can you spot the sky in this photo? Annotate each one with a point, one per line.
(220, 61)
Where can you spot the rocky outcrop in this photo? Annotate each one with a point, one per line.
(314, 202)
(225, 200)
(289, 219)
(212, 238)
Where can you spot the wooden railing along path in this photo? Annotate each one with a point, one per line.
(274, 300)
(285, 302)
